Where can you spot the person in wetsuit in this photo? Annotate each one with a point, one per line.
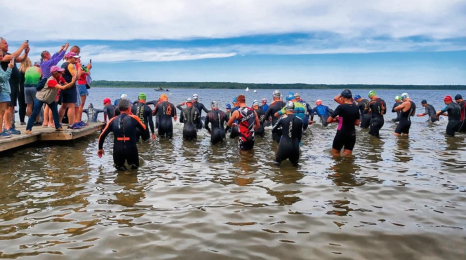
(364, 118)
(92, 113)
(248, 122)
(429, 110)
(217, 119)
(234, 131)
(109, 109)
(407, 110)
(276, 105)
(398, 112)
(454, 115)
(291, 128)
(261, 114)
(124, 128)
(200, 107)
(347, 116)
(144, 112)
(376, 108)
(164, 112)
(462, 103)
(264, 105)
(189, 117)
(323, 112)
(308, 111)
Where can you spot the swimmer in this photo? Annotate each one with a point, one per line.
(365, 118)
(144, 112)
(376, 108)
(459, 100)
(217, 119)
(347, 116)
(200, 107)
(109, 109)
(164, 112)
(248, 123)
(261, 114)
(276, 105)
(124, 131)
(429, 110)
(397, 103)
(189, 117)
(453, 111)
(291, 128)
(407, 110)
(323, 112)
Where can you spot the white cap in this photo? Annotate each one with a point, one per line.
(124, 96)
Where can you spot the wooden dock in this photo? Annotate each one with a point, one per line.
(40, 133)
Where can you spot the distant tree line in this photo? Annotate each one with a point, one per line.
(233, 85)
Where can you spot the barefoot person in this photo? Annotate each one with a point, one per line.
(407, 110)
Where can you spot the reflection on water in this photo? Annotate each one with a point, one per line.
(395, 198)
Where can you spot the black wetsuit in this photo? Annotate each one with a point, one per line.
(365, 118)
(261, 114)
(144, 113)
(234, 132)
(109, 111)
(189, 116)
(405, 120)
(309, 113)
(430, 111)
(200, 107)
(462, 127)
(378, 108)
(124, 128)
(346, 132)
(454, 116)
(246, 118)
(92, 113)
(397, 118)
(274, 108)
(164, 112)
(217, 119)
(291, 128)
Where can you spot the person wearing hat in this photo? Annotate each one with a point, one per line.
(48, 94)
(291, 128)
(164, 112)
(459, 100)
(261, 114)
(109, 109)
(200, 107)
(264, 105)
(407, 110)
(70, 95)
(276, 105)
(376, 108)
(347, 115)
(248, 123)
(429, 110)
(309, 112)
(323, 112)
(189, 117)
(453, 111)
(125, 128)
(216, 118)
(365, 118)
(397, 103)
(144, 113)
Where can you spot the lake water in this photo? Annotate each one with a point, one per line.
(397, 198)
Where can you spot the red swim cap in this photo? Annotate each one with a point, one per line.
(448, 98)
(107, 100)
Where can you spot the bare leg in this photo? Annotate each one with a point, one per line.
(335, 152)
(47, 113)
(7, 117)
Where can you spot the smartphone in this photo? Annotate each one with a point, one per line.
(90, 61)
(27, 41)
(13, 60)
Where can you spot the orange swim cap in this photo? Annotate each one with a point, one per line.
(163, 97)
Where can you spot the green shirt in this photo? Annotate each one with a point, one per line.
(32, 76)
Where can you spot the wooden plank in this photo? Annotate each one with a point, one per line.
(47, 134)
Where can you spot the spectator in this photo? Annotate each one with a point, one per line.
(25, 64)
(47, 61)
(32, 76)
(69, 95)
(82, 89)
(15, 80)
(4, 94)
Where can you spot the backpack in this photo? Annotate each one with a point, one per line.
(40, 85)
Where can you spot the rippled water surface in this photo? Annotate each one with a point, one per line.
(394, 199)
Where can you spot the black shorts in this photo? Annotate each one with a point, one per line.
(245, 145)
(344, 140)
(70, 96)
(403, 126)
(13, 95)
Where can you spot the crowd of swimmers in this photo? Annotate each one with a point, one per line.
(130, 121)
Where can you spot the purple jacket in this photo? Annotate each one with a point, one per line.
(46, 65)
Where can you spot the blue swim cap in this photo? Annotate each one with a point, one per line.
(357, 97)
(228, 106)
(290, 96)
(234, 100)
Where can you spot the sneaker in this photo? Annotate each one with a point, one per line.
(14, 131)
(81, 123)
(22, 123)
(5, 134)
(74, 126)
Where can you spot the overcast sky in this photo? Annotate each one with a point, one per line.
(251, 41)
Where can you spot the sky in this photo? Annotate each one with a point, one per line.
(251, 41)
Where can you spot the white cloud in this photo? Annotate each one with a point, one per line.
(186, 19)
